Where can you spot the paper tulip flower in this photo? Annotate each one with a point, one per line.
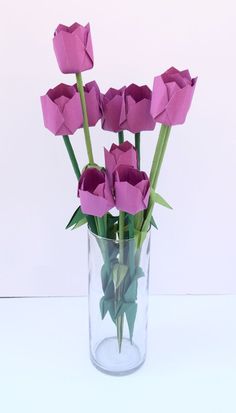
(112, 104)
(62, 111)
(94, 192)
(132, 189)
(73, 48)
(93, 102)
(172, 96)
(136, 115)
(123, 154)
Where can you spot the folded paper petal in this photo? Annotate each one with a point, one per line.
(123, 154)
(62, 111)
(93, 204)
(93, 102)
(73, 48)
(94, 192)
(136, 109)
(112, 109)
(132, 189)
(172, 96)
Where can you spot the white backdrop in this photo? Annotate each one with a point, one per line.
(194, 249)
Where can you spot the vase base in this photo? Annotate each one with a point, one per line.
(109, 360)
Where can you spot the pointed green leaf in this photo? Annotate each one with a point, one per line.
(104, 277)
(109, 291)
(80, 223)
(76, 218)
(139, 273)
(139, 238)
(131, 292)
(105, 306)
(121, 309)
(118, 274)
(153, 223)
(131, 312)
(161, 201)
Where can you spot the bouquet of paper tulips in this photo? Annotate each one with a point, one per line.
(120, 185)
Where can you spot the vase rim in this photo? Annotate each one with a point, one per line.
(111, 239)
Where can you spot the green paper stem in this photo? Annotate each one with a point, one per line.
(166, 133)
(120, 319)
(101, 227)
(85, 116)
(131, 245)
(155, 170)
(121, 137)
(137, 146)
(72, 156)
(159, 154)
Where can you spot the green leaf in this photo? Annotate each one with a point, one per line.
(140, 237)
(138, 220)
(109, 291)
(77, 218)
(105, 306)
(153, 223)
(139, 273)
(158, 199)
(112, 311)
(131, 292)
(80, 223)
(104, 277)
(118, 274)
(131, 312)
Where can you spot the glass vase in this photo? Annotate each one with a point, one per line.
(118, 303)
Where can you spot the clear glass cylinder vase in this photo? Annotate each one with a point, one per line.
(118, 303)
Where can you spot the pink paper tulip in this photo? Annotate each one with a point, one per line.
(93, 102)
(172, 96)
(123, 154)
(112, 104)
(94, 192)
(62, 111)
(136, 115)
(132, 189)
(73, 48)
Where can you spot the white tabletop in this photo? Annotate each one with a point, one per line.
(191, 363)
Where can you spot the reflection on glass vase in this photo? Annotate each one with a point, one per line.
(118, 303)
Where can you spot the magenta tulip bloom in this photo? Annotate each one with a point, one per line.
(172, 96)
(132, 189)
(62, 111)
(93, 102)
(123, 154)
(136, 111)
(73, 48)
(94, 192)
(112, 104)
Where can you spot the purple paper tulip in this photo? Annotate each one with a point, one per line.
(123, 154)
(94, 192)
(62, 111)
(93, 102)
(73, 48)
(172, 96)
(136, 115)
(132, 189)
(112, 104)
